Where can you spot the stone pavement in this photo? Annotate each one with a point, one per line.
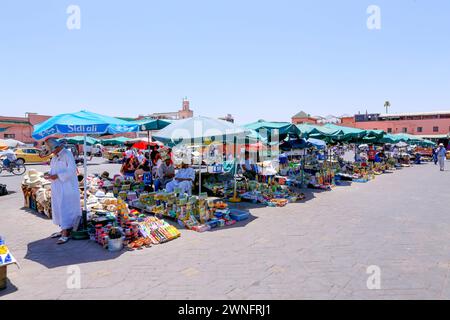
(317, 249)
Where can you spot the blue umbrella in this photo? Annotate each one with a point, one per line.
(83, 122)
(319, 144)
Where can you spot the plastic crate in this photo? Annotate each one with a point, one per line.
(213, 223)
(239, 215)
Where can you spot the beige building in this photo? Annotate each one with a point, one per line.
(184, 113)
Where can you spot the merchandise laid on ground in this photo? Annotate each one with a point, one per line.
(125, 211)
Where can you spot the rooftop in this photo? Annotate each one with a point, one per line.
(411, 114)
(302, 114)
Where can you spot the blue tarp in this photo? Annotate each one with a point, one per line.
(319, 144)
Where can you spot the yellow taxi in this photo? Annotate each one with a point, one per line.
(30, 155)
(114, 155)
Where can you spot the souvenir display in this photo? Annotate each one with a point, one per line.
(195, 212)
(157, 230)
(266, 192)
(128, 227)
(37, 192)
(124, 213)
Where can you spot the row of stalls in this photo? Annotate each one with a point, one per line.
(286, 158)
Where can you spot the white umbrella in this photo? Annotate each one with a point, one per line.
(200, 130)
(12, 143)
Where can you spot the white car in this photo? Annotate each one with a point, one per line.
(96, 150)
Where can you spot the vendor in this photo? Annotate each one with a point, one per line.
(140, 156)
(248, 167)
(371, 154)
(142, 167)
(129, 153)
(164, 173)
(153, 154)
(184, 179)
(129, 167)
(105, 176)
(65, 192)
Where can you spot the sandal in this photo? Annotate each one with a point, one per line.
(63, 240)
(56, 235)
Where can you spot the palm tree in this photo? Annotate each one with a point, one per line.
(387, 104)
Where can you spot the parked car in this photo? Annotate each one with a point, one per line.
(114, 155)
(30, 155)
(96, 150)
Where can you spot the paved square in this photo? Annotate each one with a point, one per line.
(317, 249)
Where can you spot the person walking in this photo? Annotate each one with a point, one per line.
(441, 156)
(435, 159)
(65, 191)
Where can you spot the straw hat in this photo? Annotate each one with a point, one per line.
(441, 144)
(34, 178)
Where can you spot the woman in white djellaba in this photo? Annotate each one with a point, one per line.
(65, 191)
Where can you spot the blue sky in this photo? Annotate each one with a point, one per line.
(253, 59)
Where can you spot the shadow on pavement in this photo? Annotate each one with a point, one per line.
(51, 255)
(344, 183)
(10, 288)
(35, 213)
(9, 175)
(238, 224)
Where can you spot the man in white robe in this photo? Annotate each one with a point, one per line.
(183, 179)
(65, 191)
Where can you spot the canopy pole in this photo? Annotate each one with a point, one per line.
(235, 197)
(148, 141)
(85, 181)
(200, 171)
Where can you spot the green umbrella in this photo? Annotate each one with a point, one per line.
(428, 143)
(318, 132)
(346, 133)
(284, 128)
(118, 141)
(151, 124)
(80, 140)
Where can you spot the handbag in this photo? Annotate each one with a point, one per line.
(3, 190)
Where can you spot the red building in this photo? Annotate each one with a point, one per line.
(426, 124)
(20, 128)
